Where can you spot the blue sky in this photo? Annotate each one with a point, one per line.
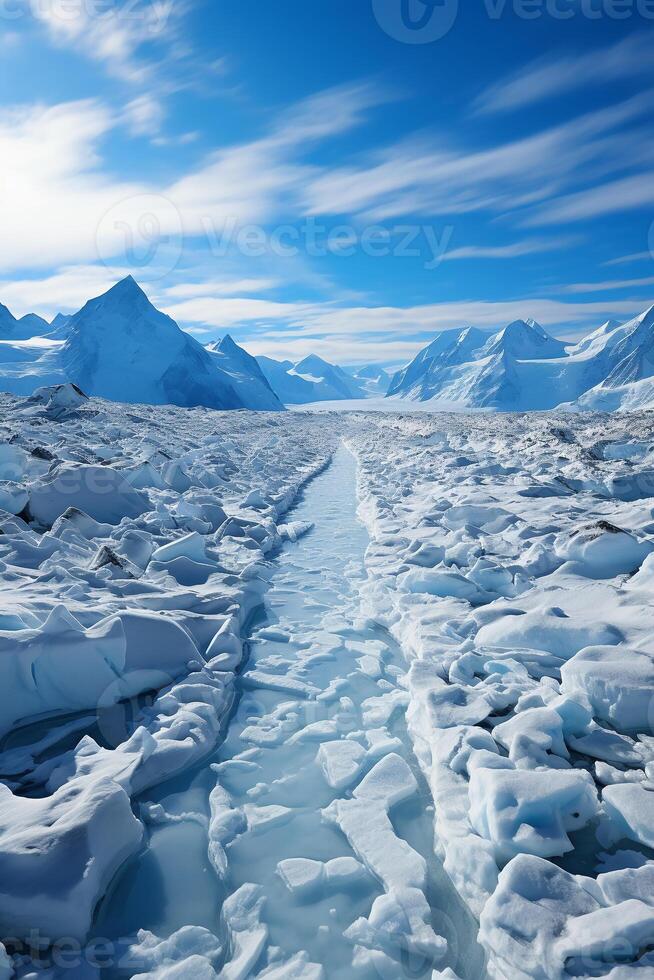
(341, 176)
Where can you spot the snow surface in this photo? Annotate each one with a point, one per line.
(276, 705)
(510, 559)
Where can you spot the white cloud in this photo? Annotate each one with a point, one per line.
(625, 194)
(52, 193)
(60, 206)
(512, 251)
(219, 287)
(144, 115)
(634, 257)
(308, 322)
(111, 33)
(419, 177)
(554, 76)
(601, 287)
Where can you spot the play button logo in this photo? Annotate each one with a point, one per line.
(416, 21)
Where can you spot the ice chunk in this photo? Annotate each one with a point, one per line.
(617, 681)
(301, 874)
(294, 531)
(189, 546)
(546, 629)
(192, 951)
(13, 497)
(241, 915)
(603, 551)
(522, 811)
(400, 923)
(525, 916)
(58, 399)
(630, 807)
(58, 855)
(100, 491)
(365, 822)
(619, 886)
(444, 583)
(341, 762)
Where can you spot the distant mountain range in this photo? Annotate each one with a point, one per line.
(315, 380)
(522, 368)
(120, 347)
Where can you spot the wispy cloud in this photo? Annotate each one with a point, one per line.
(515, 250)
(607, 286)
(61, 205)
(634, 257)
(550, 77)
(624, 194)
(144, 115)
(424, 177)
(113, 33)
(312, 320)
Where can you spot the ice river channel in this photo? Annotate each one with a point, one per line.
(305, 844)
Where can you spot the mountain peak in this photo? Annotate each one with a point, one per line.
(127, 287)
(228, 345)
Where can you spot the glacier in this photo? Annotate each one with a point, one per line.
(339, 695)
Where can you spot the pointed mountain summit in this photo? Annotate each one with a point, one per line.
(121, 347)
(247, 378)
(312, 379)
(525, 340)
(25, 328)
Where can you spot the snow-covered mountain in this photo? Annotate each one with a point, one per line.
(120, 347)
(372, 378)
(246, 376)
(26, 327)
(311, 380)
(522, 368)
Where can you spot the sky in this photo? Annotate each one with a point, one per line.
(343, 177)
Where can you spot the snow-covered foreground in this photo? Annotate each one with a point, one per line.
(133, 550)
(512, 560)
(241, 744)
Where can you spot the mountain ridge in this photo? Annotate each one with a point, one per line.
(523, 368)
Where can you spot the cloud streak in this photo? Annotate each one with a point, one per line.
(551, 77)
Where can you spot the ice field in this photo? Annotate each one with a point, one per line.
(325, 695)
